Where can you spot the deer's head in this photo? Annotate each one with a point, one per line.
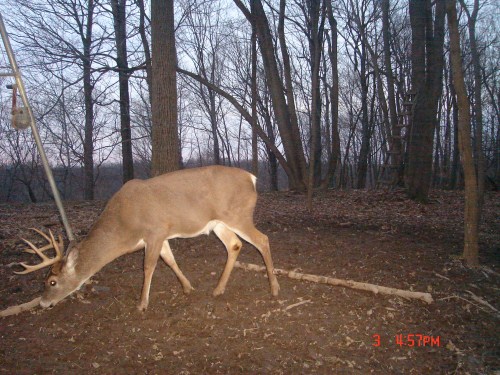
(62, 279)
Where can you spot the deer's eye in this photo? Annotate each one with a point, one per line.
(53, 283)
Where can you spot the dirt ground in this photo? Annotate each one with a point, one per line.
(374, 237)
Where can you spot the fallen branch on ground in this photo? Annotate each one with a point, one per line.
(13, 310)
(426, 297)
(481, 301)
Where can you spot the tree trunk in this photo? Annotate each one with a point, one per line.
(145, 46)
(365, 126)
(427, 72)
(315, 48)
(334, 99)
(471, 217)
(88, 145)
(478, 102)
(119, 18)
(165, 138)
(317, 22)
(255, 154)
(455, 163)
(396, 146)
(273, 165)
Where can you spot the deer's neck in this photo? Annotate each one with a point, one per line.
(101, 246)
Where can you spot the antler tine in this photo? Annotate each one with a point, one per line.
(42, 249)
(46, 247)
(46, 261)
(57, 245)
(41, 233)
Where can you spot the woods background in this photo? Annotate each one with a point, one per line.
(362, 90)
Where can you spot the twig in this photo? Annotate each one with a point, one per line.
(296, 304)
(426, 297)
(441, 276)
(480, 300)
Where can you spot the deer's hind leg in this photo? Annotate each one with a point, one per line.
(247, 231)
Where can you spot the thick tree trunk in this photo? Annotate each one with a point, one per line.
(427, 65)
(165, 138)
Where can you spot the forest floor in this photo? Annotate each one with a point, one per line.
(374, 237)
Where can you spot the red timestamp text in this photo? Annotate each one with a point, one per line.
(410, 340)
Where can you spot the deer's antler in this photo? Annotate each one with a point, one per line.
(46, 261)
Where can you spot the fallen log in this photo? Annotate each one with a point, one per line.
(13, 310)
(426, 297)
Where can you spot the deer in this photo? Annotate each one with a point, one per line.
(146, 214)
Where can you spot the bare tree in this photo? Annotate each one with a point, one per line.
(284, 111)
(333, 98)
(118, 8)
(471, 219)
(478, 100)
(60, 32)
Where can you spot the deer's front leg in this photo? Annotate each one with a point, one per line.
(151, 254)
(168, 257)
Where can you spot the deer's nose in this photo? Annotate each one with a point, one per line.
(45, 304)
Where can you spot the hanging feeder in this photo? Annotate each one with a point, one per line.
(20, 115)
(20, 118)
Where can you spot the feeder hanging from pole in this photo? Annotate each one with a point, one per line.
(20, 119)
(23, 115)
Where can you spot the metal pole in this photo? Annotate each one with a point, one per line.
(19, 81)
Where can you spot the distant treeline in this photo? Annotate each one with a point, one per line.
(22, 183)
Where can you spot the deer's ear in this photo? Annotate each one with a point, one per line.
(71, 260)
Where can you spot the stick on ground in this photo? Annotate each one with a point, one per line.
(13, 310)
(426, 297)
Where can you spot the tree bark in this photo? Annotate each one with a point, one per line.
(427, 72)
(471, 216)
(165, 137)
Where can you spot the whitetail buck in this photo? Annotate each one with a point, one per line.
(146, 214)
